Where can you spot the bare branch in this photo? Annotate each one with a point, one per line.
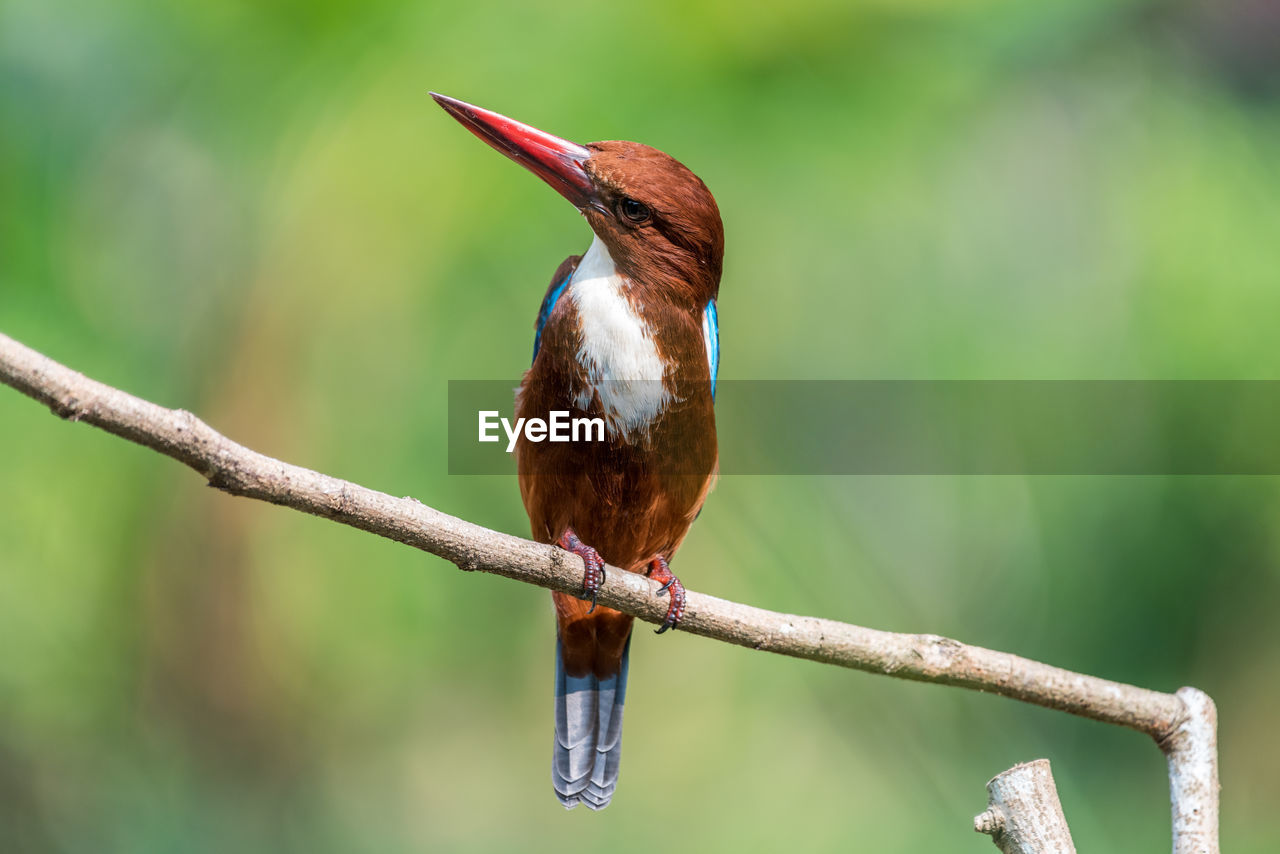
(1184, 733)
(1192, 751)
(1023, 813)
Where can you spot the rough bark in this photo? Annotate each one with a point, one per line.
(1192, 751)
(1023, 813)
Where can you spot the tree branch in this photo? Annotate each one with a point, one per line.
(1192, 752)
(1184, 725)
(1024, 815)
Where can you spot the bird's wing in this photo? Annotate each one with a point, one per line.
(559, 283)
(711, 335)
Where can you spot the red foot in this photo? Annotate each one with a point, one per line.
(659, 571)
(593, 565)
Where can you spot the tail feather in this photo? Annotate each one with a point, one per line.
(588, 746)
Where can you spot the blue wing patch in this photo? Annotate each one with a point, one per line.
(548, 304)
(711, 334)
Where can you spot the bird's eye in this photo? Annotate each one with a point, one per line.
(636, 212)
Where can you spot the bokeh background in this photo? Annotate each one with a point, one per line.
(254, 211)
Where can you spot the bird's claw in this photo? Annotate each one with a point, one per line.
(660, 571)
(593, 574)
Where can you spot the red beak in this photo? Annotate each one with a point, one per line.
(556, 161)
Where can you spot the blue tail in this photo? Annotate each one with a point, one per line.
(584, 767)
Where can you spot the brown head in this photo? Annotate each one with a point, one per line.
(658, 220)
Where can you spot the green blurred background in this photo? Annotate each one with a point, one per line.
(254, 211)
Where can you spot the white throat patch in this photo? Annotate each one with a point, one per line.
(618, 350)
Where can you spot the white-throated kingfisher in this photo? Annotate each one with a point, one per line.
(626, 333)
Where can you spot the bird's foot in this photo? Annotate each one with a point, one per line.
(593, 572)
(659, 571)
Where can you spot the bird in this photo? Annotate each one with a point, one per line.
(628, 333)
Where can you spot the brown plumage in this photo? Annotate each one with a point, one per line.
(631, 501)
(627, 335)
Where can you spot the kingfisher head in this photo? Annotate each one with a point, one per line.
(658, 220)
